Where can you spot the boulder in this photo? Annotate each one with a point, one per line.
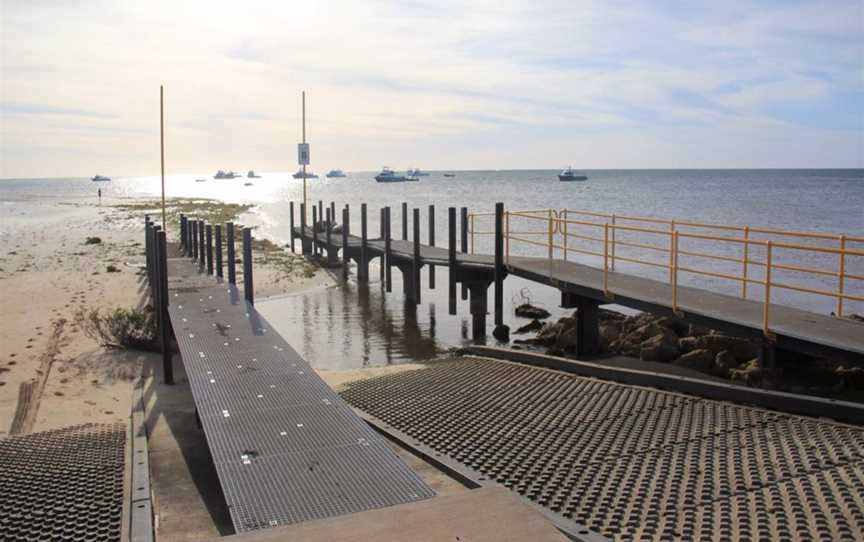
(748, 373)
(688, 344)
(855, 317)
(741, 349)
(699, 360)
(697, 331)
(527, 310)
(606, 316)
(724, 362)
(661, 347)
(679, 327)
(534, 325)
(502, 333)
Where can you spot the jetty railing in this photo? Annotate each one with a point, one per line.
(748, 256)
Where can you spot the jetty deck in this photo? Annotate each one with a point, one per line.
(286, 447)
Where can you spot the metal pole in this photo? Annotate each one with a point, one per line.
(451, 294)
(218, 235)
(346, 225)
(464, 232)
(162, 151)
(431, 244)
(248, 291)
(165, 334)
(291, 220)
(416, 259)
(387, 251)
(499, 264)
(232, 258)
(209, 235)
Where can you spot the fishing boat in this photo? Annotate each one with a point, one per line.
(252, 175)
(449, 174)
(387, 175)
(569, 174)
(99, 178)
(335, 173)
(416, 172)
(309, 175)
(226, 175)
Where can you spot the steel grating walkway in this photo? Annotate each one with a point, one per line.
(631, 462)
(63, 484)
(286, 447)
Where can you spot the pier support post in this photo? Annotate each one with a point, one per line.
(382, 263)
(248, 292)
(320, 218)
(154, 262)
(767, 355)
(202, 250)
(193, 240)
(183, 233)
(209, 235)
(331, 250)
(291, 220)
(451, 258)
(416, 259)
(431, 244)
(587, 322)
(315, 247)
(305, 241)
(217, 232)
(388, 271)
(464, 232)
(363, 262)
(148, 226)
(165, 328)
(232, 258)
(404, 221)
(501, 332)
(478, 303)
(346, 225)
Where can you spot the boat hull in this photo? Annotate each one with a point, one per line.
(572, 178)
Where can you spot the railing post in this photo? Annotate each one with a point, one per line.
(463, 230)
(841, 276)
(671, 230)
(606, 259)
(551, 238)
(765, 307)
(404, 221)
(744, 270)
(165, 328)
(232, 258)
(363, 267)
(217, 230)
(564, 213)
(671, 254)
(416, 260)
(499, 266)
(431, 244)
(291, 220)
(248, 288)
(346, 227)
(675, 271)
(209, 235)
(613, 242)
(388, 278)
(451, 253)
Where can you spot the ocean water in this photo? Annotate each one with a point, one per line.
(353, 324)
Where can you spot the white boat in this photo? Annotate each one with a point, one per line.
(99, 178)
(252, 175)
(200, 180)
(309, 175)
(225, 175)
(416, 172)
(569, 174)
(387, 175)
(335, 173)
(247, 184)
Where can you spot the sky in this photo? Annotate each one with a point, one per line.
(438, 85)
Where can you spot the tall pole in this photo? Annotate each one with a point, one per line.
(305, 206)
(162, 148)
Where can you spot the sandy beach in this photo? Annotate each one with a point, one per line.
(51, 373)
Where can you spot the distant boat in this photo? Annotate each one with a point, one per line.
(247, 184)
(449, 174)
(252, 175)
(416, 172)
(569, 174)
(99, 178)
(309, 175)
(225, 175)
(335, 173)
(387, 175)
(200, 180)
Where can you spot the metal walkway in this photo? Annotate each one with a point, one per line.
(286, 447)
(629, 462)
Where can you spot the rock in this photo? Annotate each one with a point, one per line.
(855, 317)
(697, 331)
(679, 327)
(502, 333)
(748, 373)
(606, 316)
(724, 362)
(336, 229)
(661, 347)
(609, 333)
(688, 344)
(534, 325)
(741, 349)
(699, 360)
(527, 310)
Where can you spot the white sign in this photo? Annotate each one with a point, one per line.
(303, 154)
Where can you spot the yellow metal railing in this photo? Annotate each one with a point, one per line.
(565, 232)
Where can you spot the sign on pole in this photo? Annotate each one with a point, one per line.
(303, 154)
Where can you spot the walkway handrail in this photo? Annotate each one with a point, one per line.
(555, 231)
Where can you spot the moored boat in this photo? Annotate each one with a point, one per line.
(569, 174)
(309, 175)
(387, 175)
(335, 173)
(252, 175)
(225, 175)
(449, 174)
(99, 178)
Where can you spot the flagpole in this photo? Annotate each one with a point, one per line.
(305, 206)
(162, 148)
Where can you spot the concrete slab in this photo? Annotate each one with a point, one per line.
(485, 514)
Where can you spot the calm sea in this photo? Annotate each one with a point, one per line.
(354, 324)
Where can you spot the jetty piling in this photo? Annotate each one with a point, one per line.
(502, 332)
(331, 252)
(404, 221)
(209, 235)
(164, 331)
(217, 231)
(305, 242)
(315, 247)
(464, 230)
(193, 239)
(148, 261)
(346, 230)
(451, 259)
(388, 258)
(182, 236)
(202, 250)
(247, 266)
(417, 263)
(431, 244)
(363, 263)
(382, 263)
(291, 220)
(232, 258)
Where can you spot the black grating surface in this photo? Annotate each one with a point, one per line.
(628, 462)
(65, 484)
(286, 447)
